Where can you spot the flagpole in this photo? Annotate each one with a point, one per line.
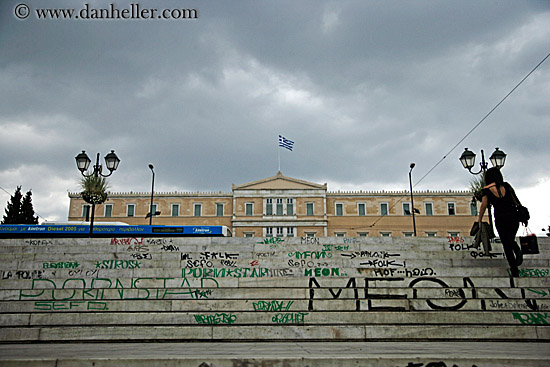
(285, 143)
(279, 157)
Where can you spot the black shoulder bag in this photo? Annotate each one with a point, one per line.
(521, 212)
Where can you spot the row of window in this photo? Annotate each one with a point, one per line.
(384, 209)
(280, 207)
(389, 234)
(174, 210)
(339, 208)
(290, 232)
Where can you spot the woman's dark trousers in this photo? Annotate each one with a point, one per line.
(507, 228)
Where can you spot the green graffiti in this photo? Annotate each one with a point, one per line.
(532, 273)
(310, 255)
(532, 318)
(118, 264)
(289, 318)
(94, 289)
(272, 305)
(271, 241)
(70, 305)
(219, 318)
(61, 265)
(224, 272)
(541, 293)
(325, 272)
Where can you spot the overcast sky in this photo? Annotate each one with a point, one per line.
(363, 88)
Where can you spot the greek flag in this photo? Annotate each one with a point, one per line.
(285, 143)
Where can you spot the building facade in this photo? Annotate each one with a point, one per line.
(288, 207)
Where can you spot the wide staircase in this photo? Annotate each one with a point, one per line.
(257, 292)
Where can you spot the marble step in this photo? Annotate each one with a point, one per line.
(282, 317)
(226, 333)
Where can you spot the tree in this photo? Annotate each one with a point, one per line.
(27, 210)
(19, 209)
(13, 209)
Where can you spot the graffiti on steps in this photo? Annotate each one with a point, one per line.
(335, 247)
(126, 289)
(240, 272)
(272, 305)
(225, 273)
(206, 259)
(542, 293)
(307, 264)
(39, 242)
(532, 273)
(138, 248)
(199, 264)
(491, 255)
(532, 318)
(310, 255)
(309, 240)
(169, 248)
(325, 272)
(271, 241)
(228, 263)
(265, 254)
(218, 255)
(61, 265)
(142, 256)
(407, 273)
(82, 273)
(289, 318)
(513, 305)
(70, 305)
(118, 264)
(22, 274)
(217, 319)
(383, 264)
(370, 254)
(130, 241)
(376, 301)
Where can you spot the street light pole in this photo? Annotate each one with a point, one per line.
(152, 192)
(412, 200)
(484, 170)
(468, 161)
(97, 168)
(83, 162)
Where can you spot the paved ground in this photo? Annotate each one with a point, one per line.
(442, 350)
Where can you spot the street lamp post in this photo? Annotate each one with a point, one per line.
(412, 200)
(497, 159)
(152, 192)
(83, 162)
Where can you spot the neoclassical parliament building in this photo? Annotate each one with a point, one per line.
(288, 207)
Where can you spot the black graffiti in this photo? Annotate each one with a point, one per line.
(371, 254)
(351, 284)
(491, 255)
(229, 264)
(443, 285)
(218, 255)
(370, 294)
(170, 248)
(22, 274)
(198, 264)
(383, 263)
